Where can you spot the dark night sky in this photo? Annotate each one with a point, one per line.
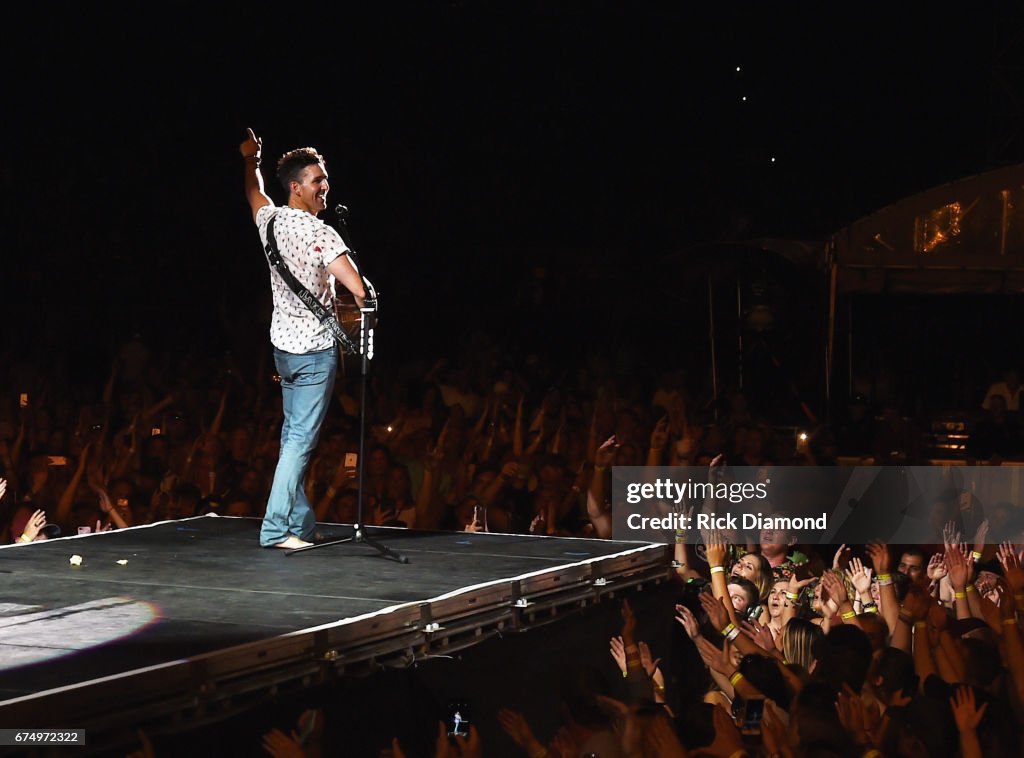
(473, 140)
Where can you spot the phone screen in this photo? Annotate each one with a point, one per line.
(23, 400)
(753, 711)
(458, 719)
(351, 459)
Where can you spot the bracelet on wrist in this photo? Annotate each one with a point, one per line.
(717, 570)
(792, 595)
(24, 538)
(976, 555)
(735, 678)
(970, 588)
(960, 595)
(1008, 622)
(884, 578)
(849, 615)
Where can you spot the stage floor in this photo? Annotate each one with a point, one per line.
(202, 592)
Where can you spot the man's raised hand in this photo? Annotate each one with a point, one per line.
(252, 146)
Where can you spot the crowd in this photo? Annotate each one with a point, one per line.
(784, 650)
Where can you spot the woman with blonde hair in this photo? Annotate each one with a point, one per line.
(798, 637)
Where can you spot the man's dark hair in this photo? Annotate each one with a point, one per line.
(843, 656)
(763, 672)
(895, 668)
(753, 594)
(294, 162)
(916, 551)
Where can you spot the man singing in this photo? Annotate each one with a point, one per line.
(305, 353)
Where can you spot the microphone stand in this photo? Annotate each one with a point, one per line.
(367, 323)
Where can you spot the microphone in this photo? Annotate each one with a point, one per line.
(341, 211)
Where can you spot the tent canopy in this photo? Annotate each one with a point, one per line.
(963, 237)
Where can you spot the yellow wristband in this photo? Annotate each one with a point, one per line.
(717, 570)
(970, 588)
(793, 595)
(728, 628)
(885, 577)
(735, 678)
(1007, 622)
(960, 595)
(849, 615)
(976, 555)
(920, 624)
(24, 538)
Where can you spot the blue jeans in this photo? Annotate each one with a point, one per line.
(307, 382)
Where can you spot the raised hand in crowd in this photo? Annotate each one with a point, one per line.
(33, 526)
(517, 727)
(281, 745)
(688, 621)
(967, 716)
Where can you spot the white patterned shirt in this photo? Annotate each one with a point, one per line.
(307, 245)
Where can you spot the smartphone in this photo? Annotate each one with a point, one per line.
(458, 719)
(351, 460)
(23, 400)
(155, 432)
(751, 715)
(122, 502)
(57, 460)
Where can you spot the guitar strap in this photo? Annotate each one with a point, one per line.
(324, 315)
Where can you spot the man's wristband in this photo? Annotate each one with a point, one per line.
(24, 538)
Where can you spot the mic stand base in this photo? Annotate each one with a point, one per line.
(358, 537)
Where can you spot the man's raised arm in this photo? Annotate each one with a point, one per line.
(251, 149)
